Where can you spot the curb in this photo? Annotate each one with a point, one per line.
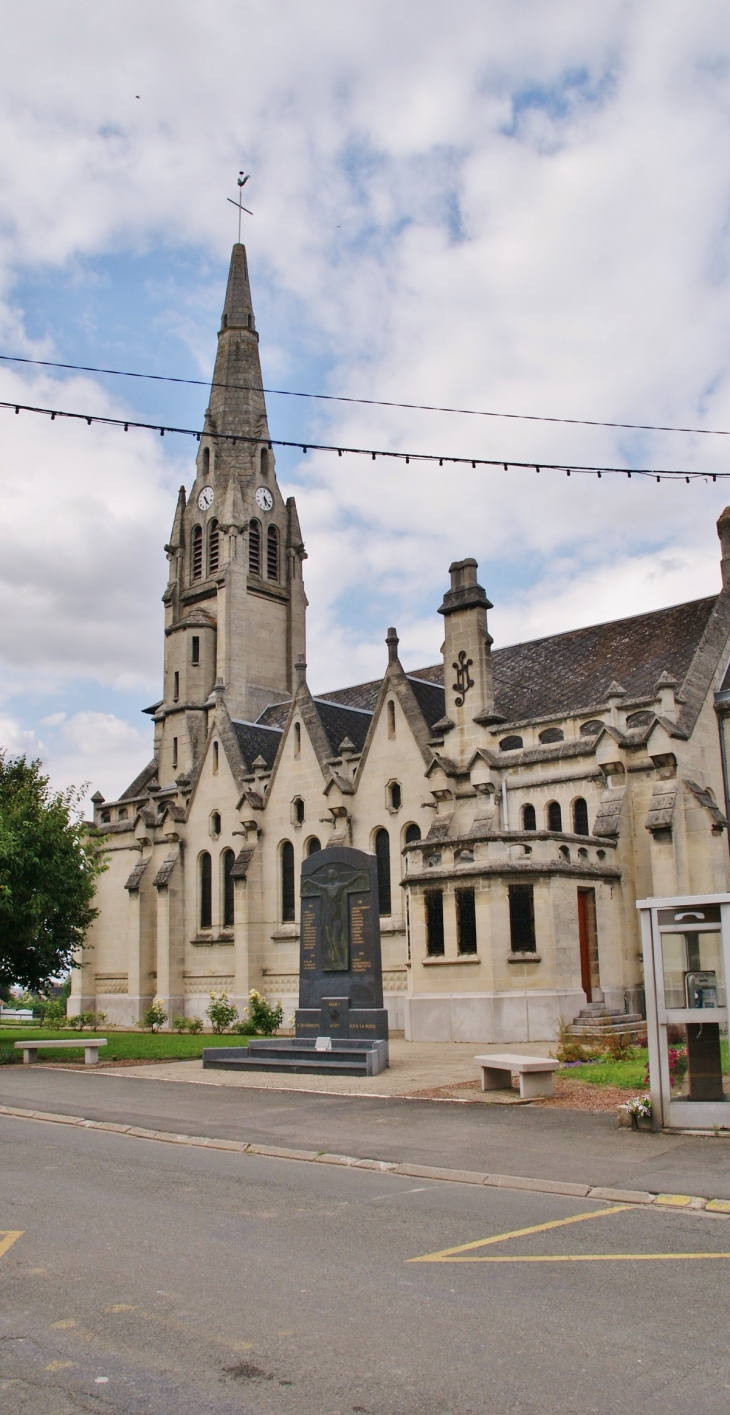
(638, 1197)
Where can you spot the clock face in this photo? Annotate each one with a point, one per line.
(264, 499)
(205, 500)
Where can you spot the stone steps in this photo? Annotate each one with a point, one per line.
(346, 1058)
(597, 1021)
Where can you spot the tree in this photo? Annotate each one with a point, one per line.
(48, 871)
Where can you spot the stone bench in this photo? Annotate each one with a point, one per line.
(535, 1073)
(90, 1044)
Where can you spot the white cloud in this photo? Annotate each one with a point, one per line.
(507, 206)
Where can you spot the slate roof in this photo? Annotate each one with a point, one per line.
(339, 722)
(430, 698)
(257, 741)
(570, 671)
(541, 678)
(141, 782)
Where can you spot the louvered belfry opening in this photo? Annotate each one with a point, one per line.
(272, 553)
(213, 548)
(254, 548)
(197, 560)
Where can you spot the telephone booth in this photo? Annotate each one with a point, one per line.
(686, 949)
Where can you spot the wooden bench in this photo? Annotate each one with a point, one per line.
(535, 1073)
(90, 1044)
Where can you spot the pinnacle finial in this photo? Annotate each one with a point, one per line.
(392, 641)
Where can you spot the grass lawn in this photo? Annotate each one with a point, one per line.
(629, 1074)
(121, 1046)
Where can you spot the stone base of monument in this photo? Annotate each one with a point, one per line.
(336, 1017)
(347, 1057)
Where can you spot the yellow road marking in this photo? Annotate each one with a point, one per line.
(719, 1206)
(8, 1237)
(583, 1258)
(677, 1201)
(58, 1366)
(447, 1253)
(61, 1326)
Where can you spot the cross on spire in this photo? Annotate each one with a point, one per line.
(241, 180)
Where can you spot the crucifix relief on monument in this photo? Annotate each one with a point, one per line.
(340, 970)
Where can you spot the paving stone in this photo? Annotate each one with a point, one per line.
(539, 1186)
(624, 1196)
(280, 1152)
(427, 1171)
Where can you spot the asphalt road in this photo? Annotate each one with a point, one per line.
(537, 1143)
(175, 1281)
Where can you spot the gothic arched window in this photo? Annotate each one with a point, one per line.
(264, 461)
(254, 548)
(552, 734)
(382, 855)
(529, 819)
(229, 860)
(206, 900)
(272, 553)
(213, 547)
(197, 553)
(580, 817)
(510, 744)
(413, 832)
(554, 816)
(287, 882)
(313, 846)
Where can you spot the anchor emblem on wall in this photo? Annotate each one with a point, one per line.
(463, 681)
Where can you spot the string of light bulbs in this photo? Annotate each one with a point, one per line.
(364, 402)
(573, 468)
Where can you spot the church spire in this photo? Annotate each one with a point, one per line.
(238, 310)
(237, 403)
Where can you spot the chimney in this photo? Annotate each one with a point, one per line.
(723, 530)
(467, 661)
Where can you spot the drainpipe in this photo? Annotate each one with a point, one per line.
(722, 708)
(505, 809)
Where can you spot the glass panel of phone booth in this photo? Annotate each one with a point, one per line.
(692, 969)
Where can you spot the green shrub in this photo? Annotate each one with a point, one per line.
(155, 1017)
(221, 1011)
(195, 1025)
(179, 1024)
(245, 1028)
(53, 1014)
(81, 1020)
(266, 1019)
(569, 1048)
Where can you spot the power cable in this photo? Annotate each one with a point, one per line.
(658, 473)
(364, 402)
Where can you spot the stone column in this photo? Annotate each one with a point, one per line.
(241, 984)
(170, 945)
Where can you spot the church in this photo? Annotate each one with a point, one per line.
(518, 801)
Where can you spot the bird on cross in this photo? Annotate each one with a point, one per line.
(242, 180)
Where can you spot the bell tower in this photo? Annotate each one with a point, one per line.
(235, 603)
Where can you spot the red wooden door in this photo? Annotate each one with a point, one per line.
(585, 949)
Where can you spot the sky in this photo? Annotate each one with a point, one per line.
(514, 206)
